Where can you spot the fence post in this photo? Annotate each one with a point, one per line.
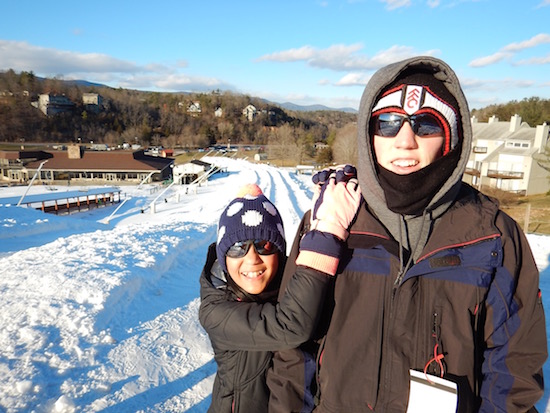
(527, 214)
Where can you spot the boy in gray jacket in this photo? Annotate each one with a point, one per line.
(437, 284)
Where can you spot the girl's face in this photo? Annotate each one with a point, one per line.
(253, 272)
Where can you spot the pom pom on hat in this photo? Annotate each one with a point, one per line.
(250, 190)
(249, 216)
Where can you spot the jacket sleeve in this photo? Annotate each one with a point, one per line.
(515, 331)
(234, 325)
(291, 377)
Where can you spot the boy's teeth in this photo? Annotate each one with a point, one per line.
(405, 163)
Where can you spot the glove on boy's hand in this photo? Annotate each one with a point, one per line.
(334, 208)
(337, 202)
(343, 173)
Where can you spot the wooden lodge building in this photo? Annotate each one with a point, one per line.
(83, 166)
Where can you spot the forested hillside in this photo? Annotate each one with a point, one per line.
(150, 118)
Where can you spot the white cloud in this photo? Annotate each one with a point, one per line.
(397, 53)
(508, 51)
(24, 56)
(353, 79)
(342, 57)
(339, 57)
(396, 4)
(183, 82)
(483, 92)
(544, 3)
(543, 60)
(534, 41)
(495, 85)
(489, 60)
(291, 55)
(101, 68)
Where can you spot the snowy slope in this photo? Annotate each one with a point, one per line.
(102, 317)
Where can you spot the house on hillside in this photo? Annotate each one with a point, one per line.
(502, 156)
(53, 104)
(85, 167)
(250, 112)
(194, 108)
(93, 102)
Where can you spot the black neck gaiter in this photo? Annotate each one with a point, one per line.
(410, 194)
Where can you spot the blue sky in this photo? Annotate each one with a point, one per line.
(299, 51)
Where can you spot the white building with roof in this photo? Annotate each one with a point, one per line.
(250, 112)
(502, 156)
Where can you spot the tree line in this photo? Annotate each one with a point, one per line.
(534, 111)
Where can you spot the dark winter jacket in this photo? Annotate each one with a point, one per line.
(243, 334)
(474, 292)
(457, 284)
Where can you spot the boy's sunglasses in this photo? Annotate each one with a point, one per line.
(388, 124)
(240, 249)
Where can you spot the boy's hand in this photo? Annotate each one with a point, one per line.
(335, 205)
(337, 201)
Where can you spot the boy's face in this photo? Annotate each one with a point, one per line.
(253, 272)
(406, 152)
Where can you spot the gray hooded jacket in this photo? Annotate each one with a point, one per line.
(413, 230)
(464, 304)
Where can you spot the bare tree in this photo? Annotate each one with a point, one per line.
(226, 130)
(282, 145)
(344, 148)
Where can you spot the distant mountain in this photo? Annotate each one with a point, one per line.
(77, 82)
(311, 108)
(86, 83)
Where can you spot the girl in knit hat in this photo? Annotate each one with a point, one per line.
(241, 279)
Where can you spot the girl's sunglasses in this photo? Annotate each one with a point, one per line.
(424, 124)
(240, 249)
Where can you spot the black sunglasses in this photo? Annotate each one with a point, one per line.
(262, 246)
(388, 124)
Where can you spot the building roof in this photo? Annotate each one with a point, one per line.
(200, 163)
(11, 155)
(103, 161)
(500, 131)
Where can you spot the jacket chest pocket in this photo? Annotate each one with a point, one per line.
(450, 302)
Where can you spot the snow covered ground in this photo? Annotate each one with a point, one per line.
(98, 310)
